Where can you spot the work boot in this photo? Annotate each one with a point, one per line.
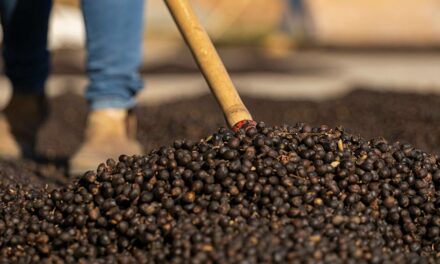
(109, 134)
(9, 147)
(19, 125)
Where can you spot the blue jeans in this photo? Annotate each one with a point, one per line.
(293, 21)
(297, 5)
(114, 44)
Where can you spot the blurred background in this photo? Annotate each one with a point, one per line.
(366, 23)
(319, 47)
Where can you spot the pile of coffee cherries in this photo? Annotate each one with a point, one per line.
(288, 194)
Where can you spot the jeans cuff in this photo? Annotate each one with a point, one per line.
(112, 102)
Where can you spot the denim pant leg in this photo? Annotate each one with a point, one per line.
(297, 5)
(25, 53)
(114, 44)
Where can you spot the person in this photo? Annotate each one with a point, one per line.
(293, 30)
(296, 21)
(114, 30)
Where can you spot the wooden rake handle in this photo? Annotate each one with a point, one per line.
(210, 64)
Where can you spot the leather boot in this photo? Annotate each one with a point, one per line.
(21, 121)
(9, 147)
(109, 134)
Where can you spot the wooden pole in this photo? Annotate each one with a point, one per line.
(209, 62)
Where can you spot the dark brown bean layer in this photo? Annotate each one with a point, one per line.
(269, 195)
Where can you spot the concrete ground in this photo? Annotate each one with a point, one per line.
(315, 75)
